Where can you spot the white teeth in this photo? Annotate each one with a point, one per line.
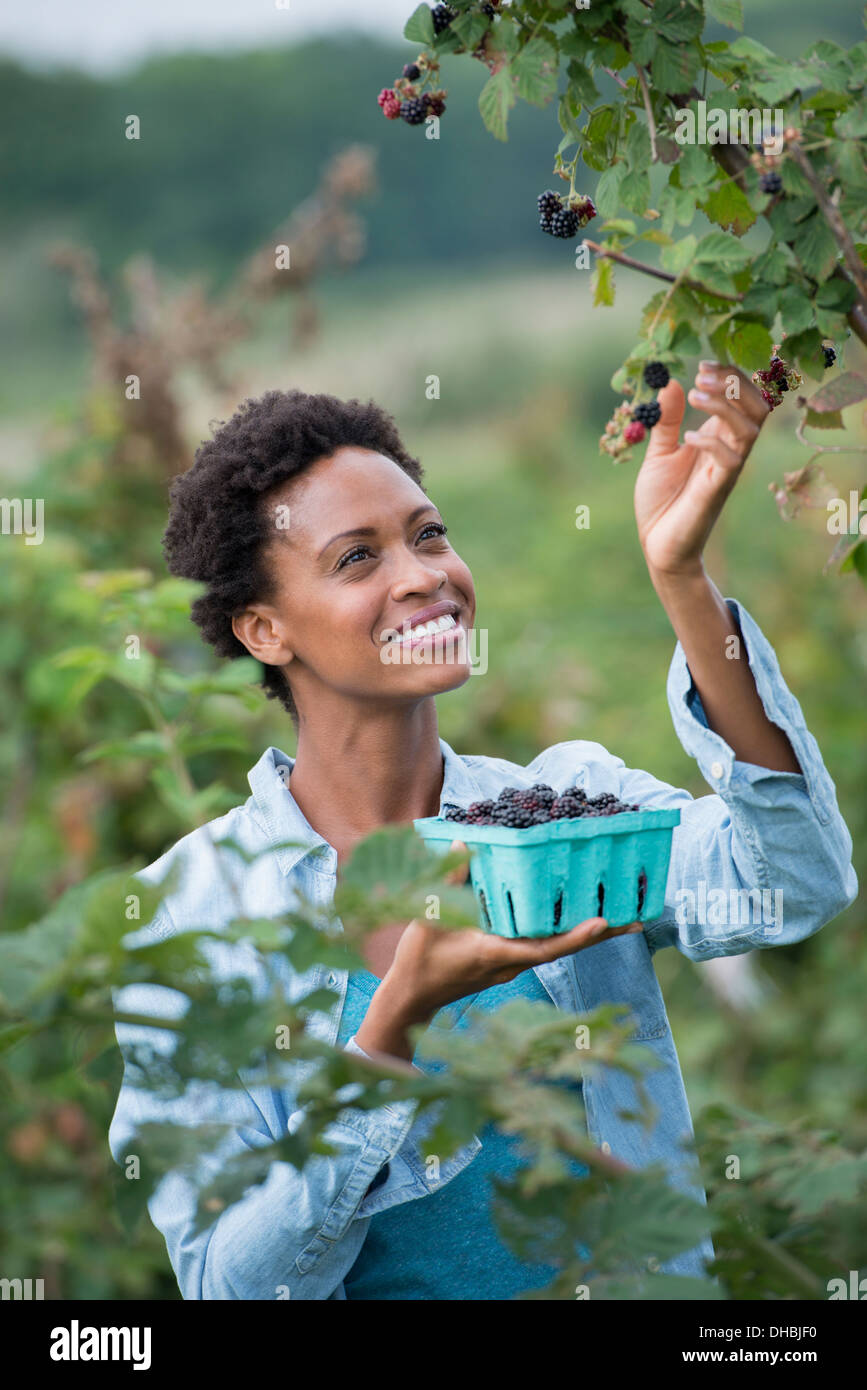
(428, 629)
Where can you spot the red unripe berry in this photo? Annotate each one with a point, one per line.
(634, 432)
(389, 101)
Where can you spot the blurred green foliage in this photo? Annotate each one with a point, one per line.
(578, 644)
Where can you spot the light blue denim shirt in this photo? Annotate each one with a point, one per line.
(780, 832)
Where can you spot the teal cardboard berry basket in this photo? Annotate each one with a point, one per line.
(546, 879)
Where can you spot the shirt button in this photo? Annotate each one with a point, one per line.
(605, 1146)
(716, 770)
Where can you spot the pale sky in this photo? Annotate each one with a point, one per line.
(103, 36)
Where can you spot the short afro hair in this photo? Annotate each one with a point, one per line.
(218, 526)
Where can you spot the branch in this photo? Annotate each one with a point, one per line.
(832, 216)
(732, 157)
(651, 124)
(658, 274)
(617, 78)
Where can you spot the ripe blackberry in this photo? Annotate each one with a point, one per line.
(414, 110)
(412, 71)
(830, 356)
(548, 203)
(519, 808)
(656, 375)
(648, 413)
(771, 183)
(442, 17)
(435, 104)
(564, 223)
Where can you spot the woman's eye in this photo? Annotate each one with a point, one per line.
(435, 526)
(359, 549)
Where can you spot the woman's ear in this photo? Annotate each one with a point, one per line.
(261, 631)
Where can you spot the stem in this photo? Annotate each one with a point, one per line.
(802, 1278)
(669, 292)
(617, 78)
(832, 216)
(651, 124)
(658, 274)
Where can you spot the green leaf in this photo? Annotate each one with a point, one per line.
(719, 339)
(674, 67)
(848, 160)
(728, 206)
(831, 420)
(837, 394)
(813, 1188)
(749, 344)
(729, 12)
(805, 348)
(678, 20)
(637, 148)
(536, 70)
(146, 743)
(568, 111)
(836, 293)
(829, 64)
(600, 124)
(725, 251)
(695, 168)
(794, 181)
(676, 205)
(635, 191)
(815, 247)
(495, 99)
(642, 40)
(470, 28)
(607, 193)
(773, 266)
(762, 302)
(617, 224)
(853, 123)
(581, 85)
(686, 340)
(603, 281)
(796, 310)
(419, 28)
(781, 81)
(677, 256)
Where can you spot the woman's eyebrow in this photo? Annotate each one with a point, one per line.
(371, 530)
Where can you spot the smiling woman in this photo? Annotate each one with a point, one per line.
(363, 573)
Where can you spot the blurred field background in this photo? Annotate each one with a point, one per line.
(454, 280)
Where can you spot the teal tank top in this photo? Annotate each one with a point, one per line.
(445, 1245)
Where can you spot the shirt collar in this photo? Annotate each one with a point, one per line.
(284, 820)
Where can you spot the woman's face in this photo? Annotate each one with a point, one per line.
(359, 555)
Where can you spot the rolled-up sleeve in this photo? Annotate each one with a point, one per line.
(293, 1236)
(766, 860)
